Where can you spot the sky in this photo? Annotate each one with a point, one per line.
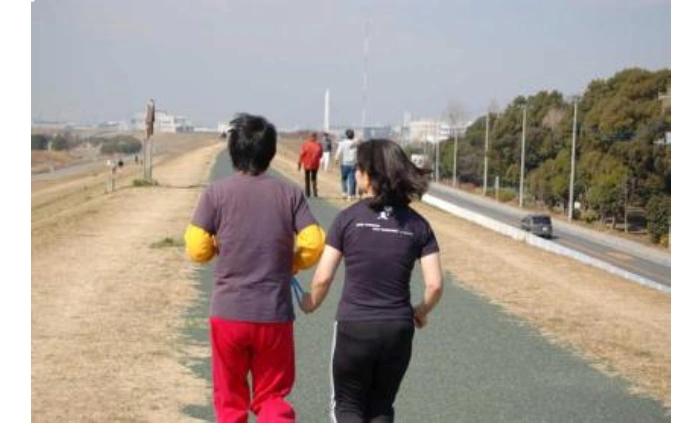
(97, 60)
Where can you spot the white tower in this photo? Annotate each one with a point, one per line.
(327, 112)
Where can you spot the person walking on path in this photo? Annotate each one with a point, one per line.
(252, 221)
(347, 154)
(310, 158)
(380, 238)
(327, 149)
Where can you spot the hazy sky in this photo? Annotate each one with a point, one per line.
(208, 59)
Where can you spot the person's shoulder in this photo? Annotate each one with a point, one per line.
(357, 209)
(417, 217)
(282, 184)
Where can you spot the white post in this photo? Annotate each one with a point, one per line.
(573, 162)
(522, 157)
(486, 154)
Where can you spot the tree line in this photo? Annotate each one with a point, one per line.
(622, 157)
(119, 144)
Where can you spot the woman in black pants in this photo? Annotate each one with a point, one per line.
(380, 238)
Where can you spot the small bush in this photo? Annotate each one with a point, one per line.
(590, 216)
(506, 195)
(144, 183)
(168, 242)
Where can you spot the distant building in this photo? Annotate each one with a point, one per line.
(164, 123)
(370, 132)
(429, 130)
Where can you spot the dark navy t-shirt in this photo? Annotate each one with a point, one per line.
(380, 249)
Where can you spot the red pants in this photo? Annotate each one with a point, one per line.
(266, 350)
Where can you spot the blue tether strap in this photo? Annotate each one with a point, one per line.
(297, 290)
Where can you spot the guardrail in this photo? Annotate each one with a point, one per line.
(534, 240)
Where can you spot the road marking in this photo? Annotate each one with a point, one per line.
(653, 276)
(620, 256)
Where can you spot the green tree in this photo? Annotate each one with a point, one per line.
(40, 142)
(658, 217)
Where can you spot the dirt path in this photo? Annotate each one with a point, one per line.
(108, 306)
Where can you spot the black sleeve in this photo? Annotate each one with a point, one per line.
(430, 245)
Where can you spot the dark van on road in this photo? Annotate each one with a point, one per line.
(538, 224)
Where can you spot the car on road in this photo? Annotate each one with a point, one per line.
(538, 224)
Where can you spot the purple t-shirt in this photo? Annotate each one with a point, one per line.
(380, 250)
(255, 220)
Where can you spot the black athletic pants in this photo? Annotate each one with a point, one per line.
(310, 179)
(369, 361)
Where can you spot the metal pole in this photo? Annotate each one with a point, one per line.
(486, 155)
(454, 160)
(364, 77)
(437, 154)
(626, 178)
(573, 162)
(522, 157)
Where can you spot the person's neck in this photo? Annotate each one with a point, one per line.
(244, 173)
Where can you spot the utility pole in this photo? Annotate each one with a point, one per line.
(486, 154)
(573, 160)
(454, 159)
(364, 77)
(522, 156)
(437, 153)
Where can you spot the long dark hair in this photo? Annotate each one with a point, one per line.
(252, 143)
(395, 180)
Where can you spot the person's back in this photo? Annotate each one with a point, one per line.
(310, 159)
(347, 156)
(347, 152)
(380, 249)
(380, 239)
(255, 259)
(250, 220)
(311, 152)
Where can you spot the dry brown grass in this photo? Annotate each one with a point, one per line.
(106, 307)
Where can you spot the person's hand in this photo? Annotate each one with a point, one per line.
(306, 304)
(420, 316)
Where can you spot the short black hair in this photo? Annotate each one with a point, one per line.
(252, 143)
(395, 180)
(350, 134)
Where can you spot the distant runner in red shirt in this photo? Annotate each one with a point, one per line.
(310, 158)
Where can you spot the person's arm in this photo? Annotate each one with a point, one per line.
(339, 151)
(321, 283)
(309, 242)
(199, 244)
(200, 235)
(432, 276)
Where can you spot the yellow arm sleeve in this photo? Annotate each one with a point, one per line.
(200, 244)
(310, 243)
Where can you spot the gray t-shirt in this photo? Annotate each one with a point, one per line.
(380, 250)
(255, 220)
(347, 152)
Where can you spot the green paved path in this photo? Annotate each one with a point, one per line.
(473, 363)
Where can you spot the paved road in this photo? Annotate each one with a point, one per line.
(472, 363)
(641, 260)
(73, 169)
